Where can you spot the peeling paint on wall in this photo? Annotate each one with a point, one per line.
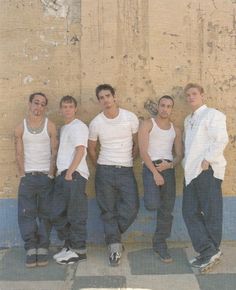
(69, 9)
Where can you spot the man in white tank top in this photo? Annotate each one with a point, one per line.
(36, 149)
(158, 137)
(115, 184)
(70, 208)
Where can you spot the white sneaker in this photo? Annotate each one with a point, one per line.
(68, 258)
(60, 254)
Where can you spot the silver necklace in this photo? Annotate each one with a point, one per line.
(36, 130)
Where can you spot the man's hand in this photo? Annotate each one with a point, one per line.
(205, 165)
(158, 178)
(68, 176)
(163, 166)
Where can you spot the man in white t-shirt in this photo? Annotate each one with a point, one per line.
(115, 184)
(204, 166)
(157, 139)
(70, 209)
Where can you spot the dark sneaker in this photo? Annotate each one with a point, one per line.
(31, 258)
(164, 255)
(202, 262)
(42, 257)
(71, 257)
(194, 261)
(114, 259)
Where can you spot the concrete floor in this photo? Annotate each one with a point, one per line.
(140, 268)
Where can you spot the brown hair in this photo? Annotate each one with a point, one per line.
(194, 85)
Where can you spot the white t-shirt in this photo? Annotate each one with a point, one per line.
(115, 137)
(72, 135)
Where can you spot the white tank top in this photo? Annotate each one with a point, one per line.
(161, 142)
(37, 149)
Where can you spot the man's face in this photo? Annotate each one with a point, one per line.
(68, 110)
(165, 108)
(38, 106)
(194, 98)
(106, 99)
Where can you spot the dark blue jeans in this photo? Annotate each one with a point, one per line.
(202, 212)
(117, 197)
(70, 211)
(34, 205)
(161, 199)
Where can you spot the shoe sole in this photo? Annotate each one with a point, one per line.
(114, 265)
(208, 268)
(32, 265)
(166, 261)
(70, 262)
(42, 264)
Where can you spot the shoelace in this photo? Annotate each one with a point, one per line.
(115, 255)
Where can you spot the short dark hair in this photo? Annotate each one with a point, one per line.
(104, 87)
(166, 97)
(68, 99)
(31, 97)
(194, 85)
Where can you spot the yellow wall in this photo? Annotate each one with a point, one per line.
(144, 48)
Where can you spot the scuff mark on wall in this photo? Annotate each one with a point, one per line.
(69, 9)
(28, 79)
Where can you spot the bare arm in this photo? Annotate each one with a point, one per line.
(143, 138)
(19, 149)
(52, 131)
(92, 150)
(135, 146)
(80, 150)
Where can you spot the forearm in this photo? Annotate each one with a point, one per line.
(76, 160)
(20, 164)
(52, 169)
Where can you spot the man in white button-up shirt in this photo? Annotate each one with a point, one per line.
(205, 138)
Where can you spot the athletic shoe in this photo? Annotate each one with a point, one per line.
(164, 255)
(61, 253)
(205, 261)
(42, 257)
(194, 260)
(31, 258)
(71, 257)
(114, 259)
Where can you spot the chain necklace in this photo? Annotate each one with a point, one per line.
(36, 130)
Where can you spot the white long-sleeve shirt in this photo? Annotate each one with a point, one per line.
(205, 137)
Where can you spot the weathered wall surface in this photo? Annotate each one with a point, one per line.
(144, 48)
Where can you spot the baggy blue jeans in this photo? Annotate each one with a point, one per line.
(34, 205)
(203, 212)
(161, 199)
(70, 211)
(117, 197)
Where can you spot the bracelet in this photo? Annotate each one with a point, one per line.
(171, 165)
(51, 176)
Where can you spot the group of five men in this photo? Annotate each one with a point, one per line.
(43, 203)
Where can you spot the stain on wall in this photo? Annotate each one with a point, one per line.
(145, 48)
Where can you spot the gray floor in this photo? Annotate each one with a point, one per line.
(140, 268)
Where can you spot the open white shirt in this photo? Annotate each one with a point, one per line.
(205, 138)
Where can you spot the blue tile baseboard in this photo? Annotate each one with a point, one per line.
(140, 231)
